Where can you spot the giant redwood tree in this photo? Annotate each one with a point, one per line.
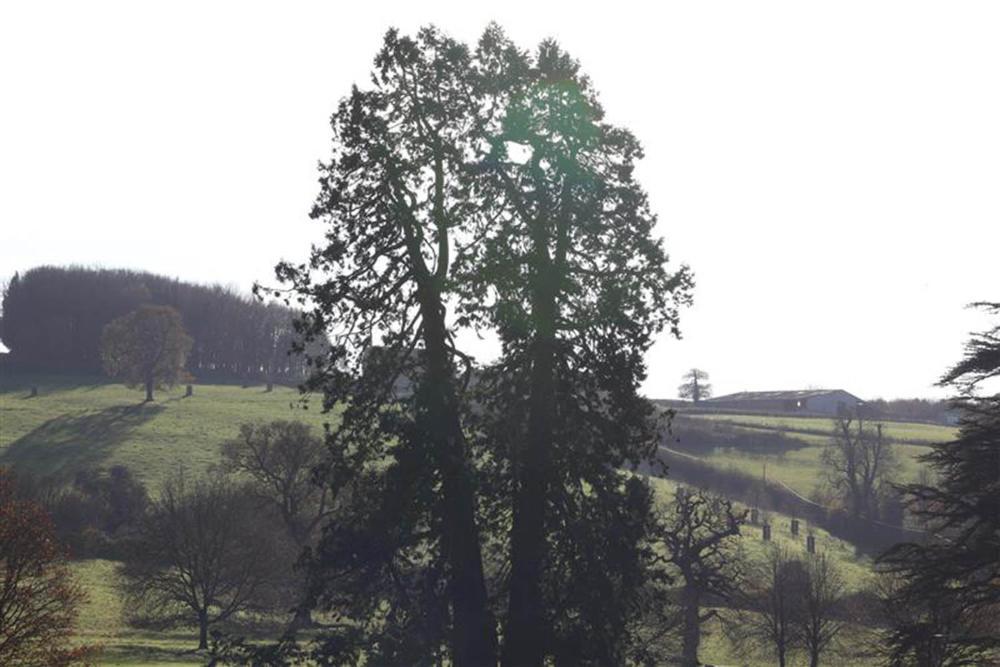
(570, 274)
(484, 190)
(394, 195)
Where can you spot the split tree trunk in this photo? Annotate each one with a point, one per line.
(474, 629)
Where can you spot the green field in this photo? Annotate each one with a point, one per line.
(75, 423)
(801, 468)
(80, 422)
(904, 432)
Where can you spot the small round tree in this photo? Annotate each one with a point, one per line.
(39, 600)
(146, 348)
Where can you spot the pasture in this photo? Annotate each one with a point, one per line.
(801, 468)
(82, 422)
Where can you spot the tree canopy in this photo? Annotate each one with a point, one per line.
(147, 348)
(950, 583)
(54, 317)
(39, 601)
(483, 190)
(695, 386)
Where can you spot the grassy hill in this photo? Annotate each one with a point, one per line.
(84, 422)
(799, 465)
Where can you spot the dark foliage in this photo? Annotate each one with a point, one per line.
(566, 270)
(95, 514)
(949, 586)
(426, 209)
(695, 386)
(54, 316)
(395, 198)
(911, 410)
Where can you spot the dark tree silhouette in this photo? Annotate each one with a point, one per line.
(858, 464)
(769, 606)
(695, 386)
(428, 205)
(949, 583)
(202, 549)
(571, 277)
(54, 316)
(393, 197)
(146, 348)
(822, 618)
(697, 532)
(39, 601)
(280, 460)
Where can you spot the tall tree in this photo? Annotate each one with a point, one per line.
(39, 601)
(697, 532)
(858, 464)
(695, 386)
(951, 580)
(573, 280)
(393, 197)
(147, 348)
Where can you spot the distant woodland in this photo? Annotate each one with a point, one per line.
(53, 318)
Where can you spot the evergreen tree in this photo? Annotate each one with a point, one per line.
(572, 278)
(952, 581)
(393, 198)
(695, 386)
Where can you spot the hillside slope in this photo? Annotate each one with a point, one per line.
(85, 422)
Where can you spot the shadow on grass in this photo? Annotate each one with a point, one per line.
(68, 443)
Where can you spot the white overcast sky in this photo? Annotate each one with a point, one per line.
(830, 171)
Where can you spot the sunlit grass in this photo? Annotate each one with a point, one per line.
(76, 423)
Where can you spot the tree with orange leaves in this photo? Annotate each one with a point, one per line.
(39, 600)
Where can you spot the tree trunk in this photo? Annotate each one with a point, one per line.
(691, 607)
(813, 658)
(301, 620)
(525, 632)
(149, 389)
(474, 640)
(202, 630)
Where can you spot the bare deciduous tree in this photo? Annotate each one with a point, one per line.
(697, 533)
(279, 459)
(770, 606)
(202, 555)
(820, 622)
(859, 462)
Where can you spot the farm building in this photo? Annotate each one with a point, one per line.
(815, 401)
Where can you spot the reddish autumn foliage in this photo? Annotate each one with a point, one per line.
(38, 598)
